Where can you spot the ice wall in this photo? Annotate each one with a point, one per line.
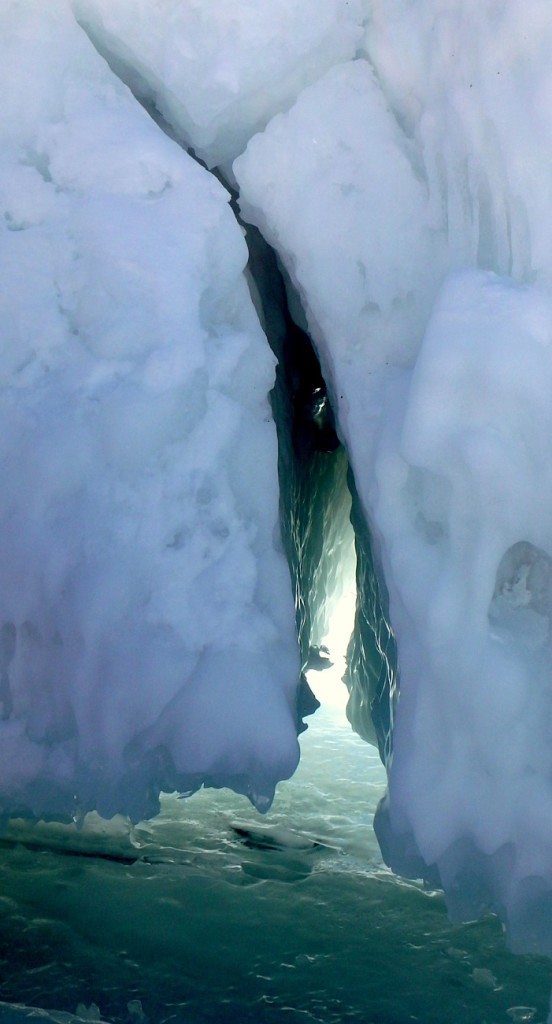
(254, 62)
(147, 622)
(317, 183)
(408, 195)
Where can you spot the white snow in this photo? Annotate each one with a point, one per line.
(147, 619)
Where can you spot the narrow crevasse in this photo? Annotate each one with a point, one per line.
(341, 603)
(372, 675)
(340, 596)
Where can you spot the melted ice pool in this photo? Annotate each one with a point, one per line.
(214, 914)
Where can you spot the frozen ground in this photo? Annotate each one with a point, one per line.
(209, 925)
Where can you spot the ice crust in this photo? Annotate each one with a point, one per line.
(408, 196)
(147, 623)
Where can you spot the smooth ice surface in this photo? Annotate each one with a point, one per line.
(408, 196)
(146, 617)
(218, 70)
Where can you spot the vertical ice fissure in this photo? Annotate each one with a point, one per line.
(316, 481)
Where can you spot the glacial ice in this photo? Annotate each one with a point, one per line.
(397, 160)
(406, 196)
(147, 622)
(218, 70)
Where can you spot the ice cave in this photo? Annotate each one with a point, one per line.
(276, 541)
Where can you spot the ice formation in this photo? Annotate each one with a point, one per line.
(218, 70)
(406, 196)
(400, 168)
(147, 622)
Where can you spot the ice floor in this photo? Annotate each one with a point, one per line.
(214, 914)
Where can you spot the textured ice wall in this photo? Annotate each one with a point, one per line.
(146, 618)
(470, 84)
(463, 492)
(219, 70)
(357, 242)
(386, 177)
(127, 548)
